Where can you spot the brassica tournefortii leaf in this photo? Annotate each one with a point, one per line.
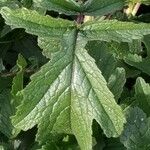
(69, 91)
(88, 67)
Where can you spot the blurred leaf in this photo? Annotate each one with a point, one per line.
(136, 135)
(90, 7)
(9, 3)
(26, 3)
(17, 84)
(147, 44)
(142, 95)
(139, 63)
(113, 30)
(116, 82)
(28, 47)
(2, 67)
(5, 112)
(114, 144)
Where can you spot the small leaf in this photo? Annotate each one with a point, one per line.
(2, 147)
(114, 144)
(69, 92)
(26, 3)
(142, 95)
(104, 59)
(18, 81)
(139, 62)
(102, 7)
(135, 47)
(146, 41)
(5, 112)
(116, 82)
(9, 3)
(28, 47)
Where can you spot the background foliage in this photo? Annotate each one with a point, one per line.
(74, 75)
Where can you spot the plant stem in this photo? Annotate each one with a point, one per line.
(80, 19)
(136, 8)
(132, 9)
(12, 74)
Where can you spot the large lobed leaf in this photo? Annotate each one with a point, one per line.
(5, 113)
(5, 107)
(69, 91)
(18, 81)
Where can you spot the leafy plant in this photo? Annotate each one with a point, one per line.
(75, 94)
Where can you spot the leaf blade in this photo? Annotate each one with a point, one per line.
(142, 95)
(67, 7)
(116, 82)
(114, 30)
(102, 7)
(53, 95)
(35, 23)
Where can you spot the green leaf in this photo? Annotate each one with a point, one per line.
(26, 3)
(142, 95)
(5, 112)
(135, 47)
(116, 82)
(146, 41)
(2, 147)
(139, 62)
(2, 67)
(136, 135)
(18, 80)
(109, 30)
(69, 92)
(102, 7)
(34, 23)
(91, 7)
(28, 47)
(64, 6)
